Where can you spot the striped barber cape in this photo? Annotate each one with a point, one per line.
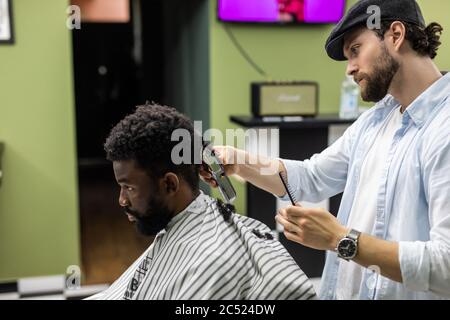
(203, 255)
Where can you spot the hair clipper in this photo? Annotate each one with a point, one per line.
(217, 170)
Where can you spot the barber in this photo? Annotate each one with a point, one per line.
(391, 237)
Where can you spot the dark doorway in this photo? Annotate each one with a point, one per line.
(113, 72)
(160, 55)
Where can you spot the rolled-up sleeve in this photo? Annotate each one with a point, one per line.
(425, 266)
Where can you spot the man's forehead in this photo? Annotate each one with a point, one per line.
(126, 170)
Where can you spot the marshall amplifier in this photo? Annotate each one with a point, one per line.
(285, 99)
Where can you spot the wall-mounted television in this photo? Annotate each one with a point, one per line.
(281, 11)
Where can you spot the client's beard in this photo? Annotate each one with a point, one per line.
(153, 220)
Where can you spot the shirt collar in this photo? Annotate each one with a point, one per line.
(420, 109)
(384, 107)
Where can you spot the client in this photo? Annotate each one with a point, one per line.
(202, 249)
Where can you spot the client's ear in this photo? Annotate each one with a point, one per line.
(171, 183)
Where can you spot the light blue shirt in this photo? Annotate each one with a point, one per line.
(413, 198)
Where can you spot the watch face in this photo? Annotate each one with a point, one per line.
(347, 248)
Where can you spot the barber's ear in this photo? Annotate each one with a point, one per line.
(397, 35)
(171, 183)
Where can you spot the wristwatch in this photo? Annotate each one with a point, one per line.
(347, 247)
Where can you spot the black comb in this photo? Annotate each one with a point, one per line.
(287, 187)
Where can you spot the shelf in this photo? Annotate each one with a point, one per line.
(320, 121)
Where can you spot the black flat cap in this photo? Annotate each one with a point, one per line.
(358, 15)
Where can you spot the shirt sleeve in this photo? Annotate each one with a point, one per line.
(325, 174)
(425, 266)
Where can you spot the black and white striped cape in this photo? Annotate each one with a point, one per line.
(203, 255)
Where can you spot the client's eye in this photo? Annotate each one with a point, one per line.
(128, 188)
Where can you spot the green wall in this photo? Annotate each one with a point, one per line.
(285, 53)
(39, 231)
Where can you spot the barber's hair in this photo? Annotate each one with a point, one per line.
(145, 136)
(425, 41)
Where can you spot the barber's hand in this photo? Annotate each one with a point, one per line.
(229, 158)
(315, 228)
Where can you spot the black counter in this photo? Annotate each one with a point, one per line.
(321, 121)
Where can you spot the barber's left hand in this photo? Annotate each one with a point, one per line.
(315, 228)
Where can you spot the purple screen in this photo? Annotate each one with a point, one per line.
(281, 11)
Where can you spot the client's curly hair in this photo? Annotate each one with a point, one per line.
(145, 136)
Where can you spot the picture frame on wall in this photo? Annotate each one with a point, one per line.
(6, 22)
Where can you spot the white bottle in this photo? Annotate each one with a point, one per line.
(350, 92)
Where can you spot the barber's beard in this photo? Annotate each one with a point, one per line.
(153, 220)
(378, 83)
